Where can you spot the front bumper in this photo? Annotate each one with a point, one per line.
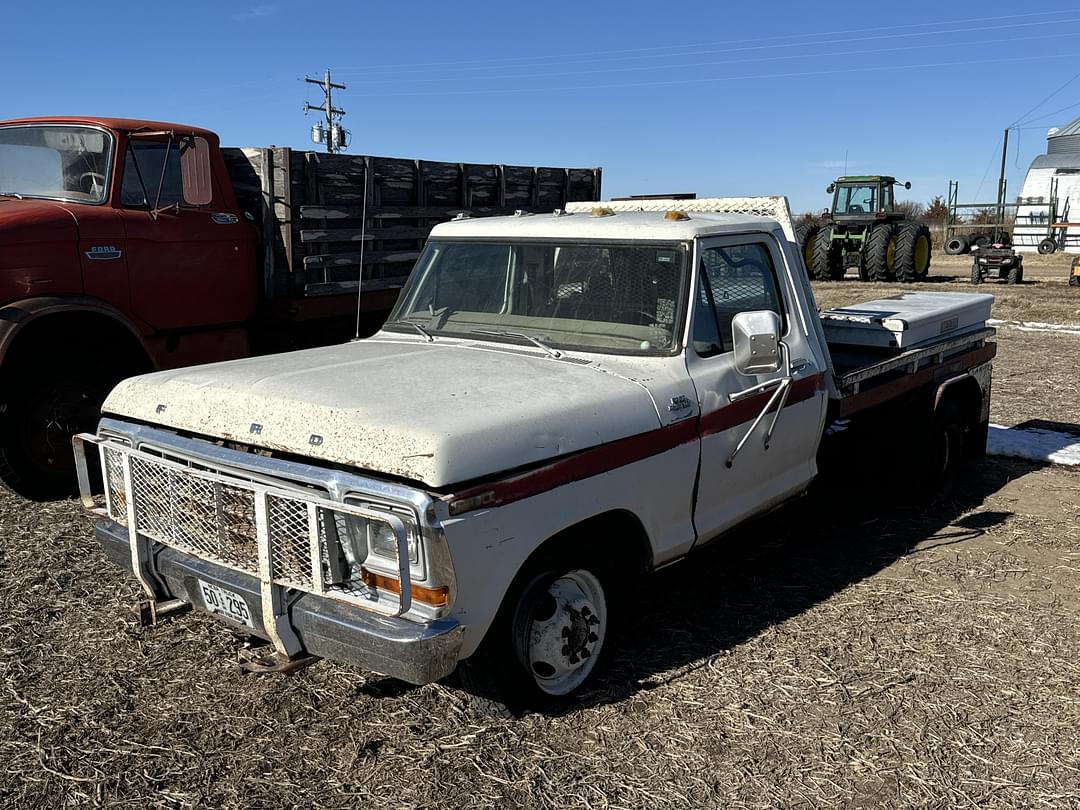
(415, 652)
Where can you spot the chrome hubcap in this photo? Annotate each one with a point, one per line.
(563, 631)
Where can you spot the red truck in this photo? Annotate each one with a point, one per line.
(130, 245)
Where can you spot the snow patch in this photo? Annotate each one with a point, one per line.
(1038, 326)
(1034, 444)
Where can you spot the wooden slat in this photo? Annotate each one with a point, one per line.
(353, 259)
(371, 234)
(395, 211)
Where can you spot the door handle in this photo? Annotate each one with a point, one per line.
(800, 364)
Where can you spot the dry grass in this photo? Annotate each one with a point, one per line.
(848, 652)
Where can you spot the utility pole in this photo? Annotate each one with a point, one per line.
(334, 134)
(999, 220)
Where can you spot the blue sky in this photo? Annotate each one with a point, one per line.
(713, 97)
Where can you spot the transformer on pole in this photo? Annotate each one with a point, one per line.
(333, 134)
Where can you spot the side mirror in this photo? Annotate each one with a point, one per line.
(756, 338)
(907, 184)
(195, 171)
(829, 189)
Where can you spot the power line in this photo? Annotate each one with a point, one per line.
(774, 39)
(1020, 120)
(708, 80)
(829, 54)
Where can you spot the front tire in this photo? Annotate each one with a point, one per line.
(552, 634)
(41, 409)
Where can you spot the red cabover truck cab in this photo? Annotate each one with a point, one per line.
(122, 249)
(128, 246)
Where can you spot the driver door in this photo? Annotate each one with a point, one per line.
(745, 274)
(190, 264)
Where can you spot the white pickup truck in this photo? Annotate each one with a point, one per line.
(558, 404)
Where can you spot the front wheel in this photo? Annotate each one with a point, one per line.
(550, 637)
(39, 413)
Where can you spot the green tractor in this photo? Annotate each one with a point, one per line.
(864, 230)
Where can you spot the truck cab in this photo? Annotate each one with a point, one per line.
(122, 249)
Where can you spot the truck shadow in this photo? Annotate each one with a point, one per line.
(783, 565)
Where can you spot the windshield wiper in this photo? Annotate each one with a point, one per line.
(402, 322)
(533, 340)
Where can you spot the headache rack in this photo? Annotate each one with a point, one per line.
(288, 538)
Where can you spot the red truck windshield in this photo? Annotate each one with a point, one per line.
(55, 161)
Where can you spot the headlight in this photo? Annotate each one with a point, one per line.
(374, 541)
(383, 542)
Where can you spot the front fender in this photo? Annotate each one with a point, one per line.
(16, 316)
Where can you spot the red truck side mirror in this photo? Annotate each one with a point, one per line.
(195, 170)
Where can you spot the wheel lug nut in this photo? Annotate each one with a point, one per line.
(585, 653)
(585, 611)
(574, 659)
(565, 632)
(593, 637)
(566, 649)
(593, 620)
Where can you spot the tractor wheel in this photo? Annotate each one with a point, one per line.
(804, 237)
(976, 273)
(1047, 246)
(955, 245)
(912, 252)
(826, 258)
(880, 252)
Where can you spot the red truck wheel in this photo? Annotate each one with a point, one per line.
(40, 412)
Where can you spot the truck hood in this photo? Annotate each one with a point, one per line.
(437, 413)
(36, 221)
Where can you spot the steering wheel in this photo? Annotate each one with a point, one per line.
(650, 319)
(97, 182)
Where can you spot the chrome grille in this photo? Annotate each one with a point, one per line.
(215, 516)
(290, 542)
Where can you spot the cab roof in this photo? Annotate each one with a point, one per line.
(121, 124)
(866, 178)
(620, 225)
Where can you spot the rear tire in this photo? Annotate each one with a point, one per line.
(552, 634)
(1016, 275)
(827, 261)
(956, 245)
(880, 252)
(943, 451)
(804, 238)
(976, 273)
(1047, 246)
(912, 252)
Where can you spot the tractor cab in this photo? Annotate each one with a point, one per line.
(863, 199)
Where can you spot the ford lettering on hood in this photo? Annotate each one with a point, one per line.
(437, 413)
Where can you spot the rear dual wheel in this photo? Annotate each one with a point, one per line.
(912, 252)
(827, 257)
(880, 252)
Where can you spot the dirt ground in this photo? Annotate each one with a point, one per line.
(856, 650)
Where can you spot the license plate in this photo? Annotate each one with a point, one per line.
(226, 603)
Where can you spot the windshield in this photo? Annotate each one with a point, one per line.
(861, 199)
(594, 297)
(55, 162)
